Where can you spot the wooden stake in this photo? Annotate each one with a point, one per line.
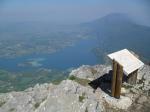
(113, 82)
(118, 81)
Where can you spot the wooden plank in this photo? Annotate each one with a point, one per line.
(113, 81)
(118, 81)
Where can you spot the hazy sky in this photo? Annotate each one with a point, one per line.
(72, 11)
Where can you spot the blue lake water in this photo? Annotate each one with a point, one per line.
(75, 56)
(28, 70)
(70, 57)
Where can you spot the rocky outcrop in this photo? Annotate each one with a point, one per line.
(25, 101)
(91, 72)
(68, 96)
(71, 96)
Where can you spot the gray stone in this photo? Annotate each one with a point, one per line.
(142, 99)
(90, 72)
(69, 96)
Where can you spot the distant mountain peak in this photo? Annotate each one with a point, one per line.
(116, 17)
(111, 19)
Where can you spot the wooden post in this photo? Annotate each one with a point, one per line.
(132, 77)
(135, 76)
(113, 82)
(118, 81)
(129, 79)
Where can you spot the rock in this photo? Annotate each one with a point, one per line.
(144, 73)
(89, 72)
(124, 91)
(25, 101)
(65, 98)
(51, 98)
(142, 99)
(70, 96)
(144, 78)
(83, 72)
(123, 103)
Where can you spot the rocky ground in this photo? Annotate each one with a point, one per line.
(86, 90)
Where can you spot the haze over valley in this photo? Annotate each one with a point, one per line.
(35, 44)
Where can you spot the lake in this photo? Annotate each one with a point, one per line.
(70, 57)
(22, 72)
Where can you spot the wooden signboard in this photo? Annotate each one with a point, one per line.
(124, 62)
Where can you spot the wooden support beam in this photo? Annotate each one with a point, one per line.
(118, 81)
(132, 77)
(135, 77)
(113, 81)
(129, 79)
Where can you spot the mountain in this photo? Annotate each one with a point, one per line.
(117, 31)
(113, 32)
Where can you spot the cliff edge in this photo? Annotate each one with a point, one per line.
(86, 90)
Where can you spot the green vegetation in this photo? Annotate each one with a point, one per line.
(72, 77)
(2, 103)
(20, 81)
(83, 82)
(12, 110)
(56, 82)
(36, 105)
(82, 97)
(127, 86)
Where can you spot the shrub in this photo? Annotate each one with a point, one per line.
(72, 77)
(83, 82)
(82, 97)
(2, 103)
(37, 105)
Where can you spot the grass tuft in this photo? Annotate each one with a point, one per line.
(37, 105)
(83, 82)
(82, 97)
(2, 103)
